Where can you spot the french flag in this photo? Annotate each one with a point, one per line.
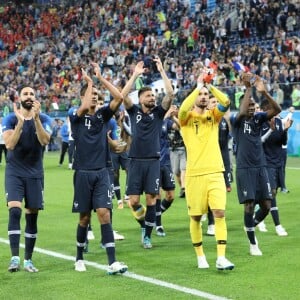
(240, 67)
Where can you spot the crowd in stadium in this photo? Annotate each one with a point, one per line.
(48, 45)
(51, 56)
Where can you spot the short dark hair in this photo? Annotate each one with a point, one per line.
(264, 104)
(143, 90)
(23, 86)
(83, 89)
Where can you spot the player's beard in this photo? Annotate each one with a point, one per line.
(202, 105)
(27, 104)
(149, 105)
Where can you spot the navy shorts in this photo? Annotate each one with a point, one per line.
(30, 189)
(253, 184)
(120, 160)
(143, 176)
(167, 181)
(92, 190)
(274, 177)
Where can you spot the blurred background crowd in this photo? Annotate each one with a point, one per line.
(46, 43)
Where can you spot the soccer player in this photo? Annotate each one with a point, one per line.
(144, 153)
(224, 129)
(92, 185)
(253, 185)
(274, 135)
(120, 160)
(167, 181)
(205, 185)
(26, 132)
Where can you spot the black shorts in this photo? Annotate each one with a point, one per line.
(30, 189)
(143, 176)
(253, 184)
(274, 177)
(92, 190)
(120, 160)
(167, 181)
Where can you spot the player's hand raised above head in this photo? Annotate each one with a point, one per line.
(259, 84)
(139, 68)
(96, 69)
(248, 78)
(158, 62)
(85, 76)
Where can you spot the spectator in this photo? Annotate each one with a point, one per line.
(64, 133)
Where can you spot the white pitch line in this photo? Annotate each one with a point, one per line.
(129, 274)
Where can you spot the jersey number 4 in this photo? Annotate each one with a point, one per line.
(88, 123)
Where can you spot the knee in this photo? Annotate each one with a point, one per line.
(218, 213)
(15, 213)
(249, 207)
(134, 201)
(196, 218)
(170, 196)
(266, 205)
(84, 220)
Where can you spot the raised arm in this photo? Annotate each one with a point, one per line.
(189, 101)
(273, 107)
(86, 99)
(167, 100)
(114, 91)
(138, 70)
(172, 113)
(244, 105)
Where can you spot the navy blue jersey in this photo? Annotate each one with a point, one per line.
(273, 144)
(26, 160)
(164, 143)
(247, 135)
(90, 139)
(146, 131)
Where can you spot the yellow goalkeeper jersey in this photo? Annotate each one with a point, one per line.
(200, 133)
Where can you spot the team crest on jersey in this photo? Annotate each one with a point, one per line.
(151, 116)
(223, 125)
(208, 118)
(99, 116)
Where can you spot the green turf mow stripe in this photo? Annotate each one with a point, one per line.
(131, 275)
